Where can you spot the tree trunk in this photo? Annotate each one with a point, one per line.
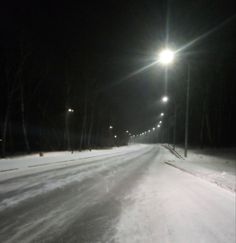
(90, 129)
(83, 133)
(4, 133)
(209, 134)
(202, 131)
(25, 134)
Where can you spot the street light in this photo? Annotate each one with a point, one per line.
(158, 125)
(115, 136)
(162, 114)
(165, 99)
(166, 57)
(111, 136)
(69, 110)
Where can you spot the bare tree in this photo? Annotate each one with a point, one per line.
(25, 134)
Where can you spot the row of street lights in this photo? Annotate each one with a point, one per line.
(150, 130)
(115, 136)
(68, 112)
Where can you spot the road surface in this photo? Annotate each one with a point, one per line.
(128, 196)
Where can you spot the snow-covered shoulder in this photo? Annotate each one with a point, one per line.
(217, 166)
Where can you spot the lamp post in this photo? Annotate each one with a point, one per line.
(187, 112)
(174, 132)
(68, 112)
(166, 57)
(115, 140)
(112, 142)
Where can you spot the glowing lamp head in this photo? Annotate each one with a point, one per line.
(70, 110)
(166, 56)
(164, 99)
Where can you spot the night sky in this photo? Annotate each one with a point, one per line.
(89, 49)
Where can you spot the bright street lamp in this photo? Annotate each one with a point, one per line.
(162, 114)
(115, 136)
(67, 128)
(110, 127)
(164, 99)
(70, 110)
(158, 125)
(166, 56)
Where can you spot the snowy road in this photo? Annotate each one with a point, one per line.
(127, 196)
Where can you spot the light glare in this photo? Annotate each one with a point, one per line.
(165, 99)
(70, 110)
(166, 56)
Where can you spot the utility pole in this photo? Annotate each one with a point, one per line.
(174, 132)
(67, 130)
(187, 113)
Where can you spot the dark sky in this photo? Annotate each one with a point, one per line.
(109, 40)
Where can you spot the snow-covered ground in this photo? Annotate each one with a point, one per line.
(127, 194)
(172, 206)
(217, 166)
(28, 163)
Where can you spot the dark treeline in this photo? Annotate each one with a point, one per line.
(38, 88)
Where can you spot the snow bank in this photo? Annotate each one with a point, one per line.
(217, 166)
